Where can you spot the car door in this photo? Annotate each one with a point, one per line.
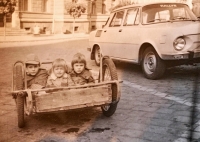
(111, 35)
(129, 43)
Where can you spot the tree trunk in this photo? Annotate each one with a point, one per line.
(4, 23)
(73, 26)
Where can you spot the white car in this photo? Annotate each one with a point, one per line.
(156, 36)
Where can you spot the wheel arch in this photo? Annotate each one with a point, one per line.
(93, 51)
(142, 49)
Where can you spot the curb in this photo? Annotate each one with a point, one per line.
(43, 38)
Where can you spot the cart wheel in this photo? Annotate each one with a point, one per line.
(109, 73)
(20, 111)
(18, 85)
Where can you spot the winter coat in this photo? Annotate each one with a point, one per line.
(37, 81)
(82, 78)
(64, 81)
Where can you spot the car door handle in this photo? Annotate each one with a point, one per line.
(120, 30)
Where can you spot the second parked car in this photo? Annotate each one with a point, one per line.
(156, 36)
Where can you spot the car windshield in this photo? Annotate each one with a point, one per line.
(166, 12)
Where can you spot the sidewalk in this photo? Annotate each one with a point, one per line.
(41, 37)
(10, 41)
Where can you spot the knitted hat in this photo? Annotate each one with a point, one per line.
(32, 59)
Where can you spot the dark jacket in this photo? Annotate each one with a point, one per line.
(82, 78)
(37, 81)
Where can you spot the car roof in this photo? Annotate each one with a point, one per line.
(144, 4)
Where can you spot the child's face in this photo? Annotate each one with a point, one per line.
(32, 69)
(79, 67)
(59, 71)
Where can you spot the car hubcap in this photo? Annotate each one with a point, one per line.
(150, 63)
(106, 107)
(97, 55)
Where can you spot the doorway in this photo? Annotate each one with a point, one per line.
(8, 19)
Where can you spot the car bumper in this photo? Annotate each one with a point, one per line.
(189, 55)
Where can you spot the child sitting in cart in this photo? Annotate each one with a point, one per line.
(80, 74)
(58, 75)
(36, 77)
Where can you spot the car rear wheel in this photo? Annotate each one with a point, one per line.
(97, 55)
(109, 73)
(152, 65)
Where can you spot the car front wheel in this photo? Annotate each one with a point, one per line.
(97, 55)
(152, 65)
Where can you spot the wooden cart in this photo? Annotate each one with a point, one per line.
(105, 93)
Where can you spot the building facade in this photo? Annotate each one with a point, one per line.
(52, 14)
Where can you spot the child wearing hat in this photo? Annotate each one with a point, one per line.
(80, 74)
(36, 77)
(58, 75)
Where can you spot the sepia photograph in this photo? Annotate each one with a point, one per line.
(100, 70)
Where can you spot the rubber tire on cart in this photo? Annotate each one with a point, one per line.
(97, 55)
(152, 65)
(18, 85)
(109, 73)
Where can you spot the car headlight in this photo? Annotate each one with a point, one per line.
(179, 43)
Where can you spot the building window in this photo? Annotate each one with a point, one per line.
(76, 28)
(93, 8)
(49, 6)
(103, 9)
(44, 5)
(24, 5)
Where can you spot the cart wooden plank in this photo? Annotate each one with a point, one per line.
(73, 98)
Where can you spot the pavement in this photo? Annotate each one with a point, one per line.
(23, 40)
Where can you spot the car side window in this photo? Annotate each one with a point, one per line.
(117, 19)
(144, 17)
(132, 17)
(155, 15)
(181, 12)
(162, 15)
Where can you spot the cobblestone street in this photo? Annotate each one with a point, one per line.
(148, 111)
